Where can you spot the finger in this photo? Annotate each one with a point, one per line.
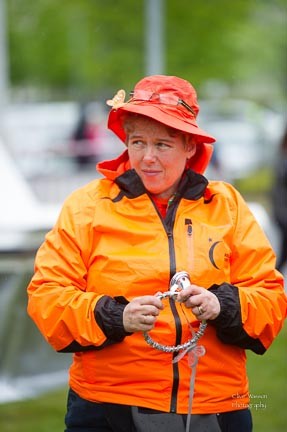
(147, 320)
(200, 310)
(150, 310)
(151, 300)
(200, 313)
(188, 292)
(194, 300)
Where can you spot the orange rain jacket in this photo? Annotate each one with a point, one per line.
(110, 244)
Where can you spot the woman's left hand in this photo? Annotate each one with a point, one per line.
(203, 303)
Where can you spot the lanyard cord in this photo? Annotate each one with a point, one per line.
(194, 351)
(191, 392)
(193, 356)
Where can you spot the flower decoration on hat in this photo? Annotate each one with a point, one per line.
(118, 100)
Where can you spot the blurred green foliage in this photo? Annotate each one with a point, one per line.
(267, 376)
(259, 182)
(85, 48)
(42, 414)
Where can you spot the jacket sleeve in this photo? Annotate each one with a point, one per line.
(58, 302)
(253, 304)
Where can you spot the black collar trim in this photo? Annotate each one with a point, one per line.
(192, 185)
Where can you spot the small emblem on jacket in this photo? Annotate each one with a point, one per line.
(213, 256)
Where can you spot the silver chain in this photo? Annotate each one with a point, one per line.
(179, 282)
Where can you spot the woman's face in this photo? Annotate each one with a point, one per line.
(158, 154)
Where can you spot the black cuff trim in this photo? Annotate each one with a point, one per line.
(228, 324)
(109, 316)
(76, 347)
(230, 313)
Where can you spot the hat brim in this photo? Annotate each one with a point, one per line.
(160, 114)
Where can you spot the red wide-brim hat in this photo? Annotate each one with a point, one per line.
(169, 100)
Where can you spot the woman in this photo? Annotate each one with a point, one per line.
(111, 280)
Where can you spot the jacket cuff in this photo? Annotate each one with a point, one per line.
(109, 317)
(228, 324)
(230, 312)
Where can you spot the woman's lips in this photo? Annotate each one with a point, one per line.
(150, 173)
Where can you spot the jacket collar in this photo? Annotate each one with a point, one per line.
(191, 187)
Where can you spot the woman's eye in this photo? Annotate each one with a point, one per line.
(137, 144)
(163, 146)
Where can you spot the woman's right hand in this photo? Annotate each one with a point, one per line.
(141, 313)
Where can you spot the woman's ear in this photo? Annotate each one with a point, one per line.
(190, 147)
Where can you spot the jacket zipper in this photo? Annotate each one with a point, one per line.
(178, 328)
(168, 224)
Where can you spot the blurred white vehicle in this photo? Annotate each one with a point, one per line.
(247, 135)
(239, 146)
(23, 219)
(27, 363)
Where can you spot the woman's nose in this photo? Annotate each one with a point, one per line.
(149, 152)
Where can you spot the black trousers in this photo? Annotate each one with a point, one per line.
(86, 416)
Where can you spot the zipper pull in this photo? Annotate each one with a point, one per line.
(171, 199)
(188, 222)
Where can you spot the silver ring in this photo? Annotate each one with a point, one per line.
(200, 310)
